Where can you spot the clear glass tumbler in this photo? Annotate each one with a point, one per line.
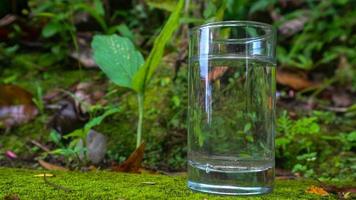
(231, 111)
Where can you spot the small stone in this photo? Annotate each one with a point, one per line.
(96, 145)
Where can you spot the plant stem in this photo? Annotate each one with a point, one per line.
(140, 98)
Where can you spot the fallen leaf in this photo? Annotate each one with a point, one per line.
(336, 189)
(16, 106)
(7, 19)
(11, 197)
(293, 80)
(85, 58)
(290, 27)
(10, 154)
(217, 72)
(42, 175)
(132, 163)
(282, 174)
(50, 166)
(83, 53)
(317, 190)
(68, 117)
(341, 98)
(71, 107)
(87, 93)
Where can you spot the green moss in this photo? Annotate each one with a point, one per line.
(111, 185)
(18, 137)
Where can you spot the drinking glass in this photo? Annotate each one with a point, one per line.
(231, 109)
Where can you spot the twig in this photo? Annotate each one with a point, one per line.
(56, 186)
(44, 148)
(335, 109)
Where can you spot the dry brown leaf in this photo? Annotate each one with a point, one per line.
(317, 190)
(16, 106)
(294, 81)
(68, 117)
(84, 57)
(50, 166)
(132, 163)
(282, 174)
(217, 72)
(338, 189)
(7, 19)
(11, 197)
(293, 26)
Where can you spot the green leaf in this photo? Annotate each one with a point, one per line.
(82, 132)
(55, 137)
(168, 5)
(145, 73)
(219, 16)
(247, 127)
(281, 142)
(64, 152)
(97, 120)
(51, 29)
(79, 133)
(98, 5)
(118, 58)
(74, 143)
(261, 5)
(210, 10)
(351, 137)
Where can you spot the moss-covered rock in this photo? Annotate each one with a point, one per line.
(110, 185)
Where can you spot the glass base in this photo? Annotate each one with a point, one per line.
(227, 189)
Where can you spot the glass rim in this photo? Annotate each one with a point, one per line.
(268, 29)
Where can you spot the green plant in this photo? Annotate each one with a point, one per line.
(125, 66)
(296, 138)
(311, 147)
(73, 150)
(60, 14)
(326, 36)
(38, 100)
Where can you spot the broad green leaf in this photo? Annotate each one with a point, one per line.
(117, 57)
(145, 73)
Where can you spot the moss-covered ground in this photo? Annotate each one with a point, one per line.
(24, 184)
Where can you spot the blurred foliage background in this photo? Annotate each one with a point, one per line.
(50, 86)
